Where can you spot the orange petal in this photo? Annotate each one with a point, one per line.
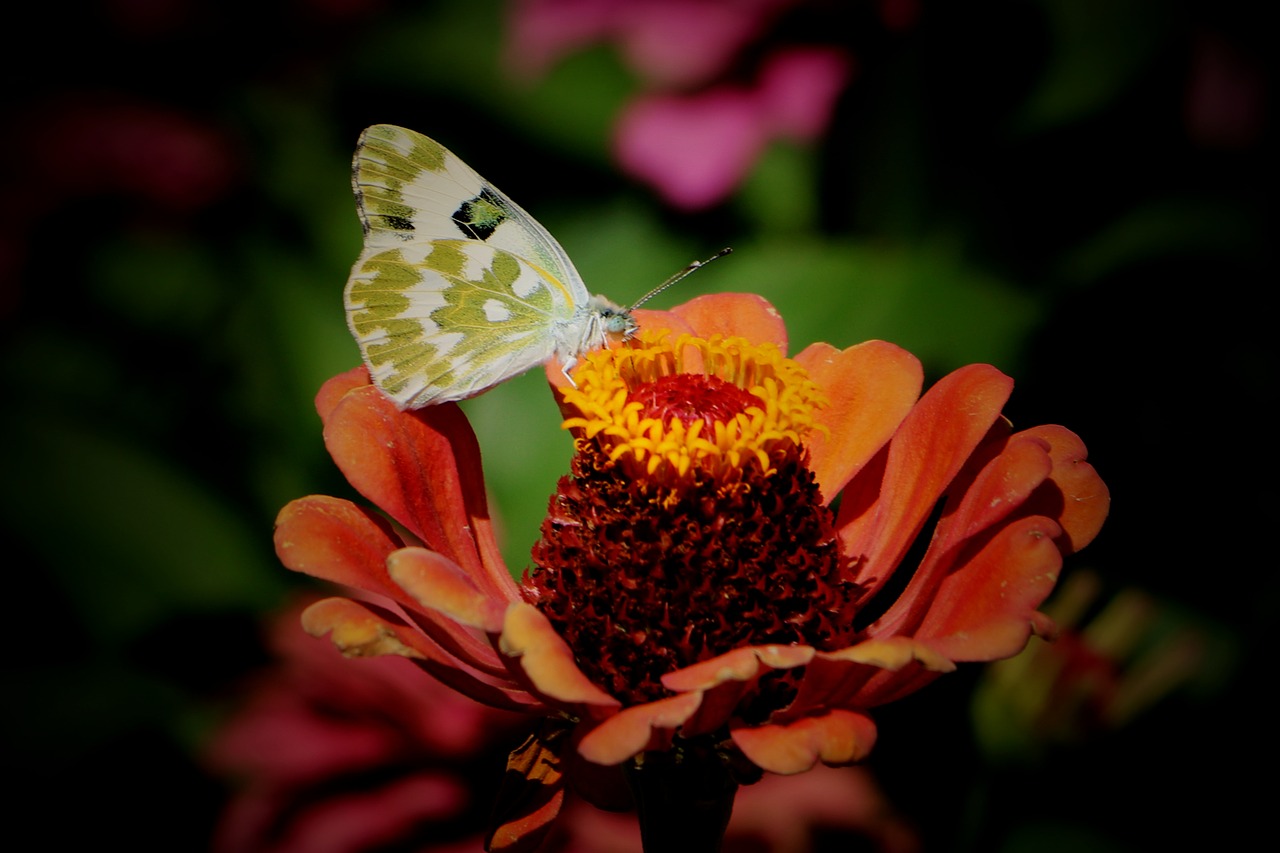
(1078, 499)
(451, 607)
(335, 540)
(836, 679)
(546, 661)
(738, 665)
(927, 451)
(725, 679)
(837, 737)
(650, 319)
(985, 609)
(999, 488)
(423, 469)
(871, 388)
(333, 390)
(362, 630)
(358, 632)
(742, 314)
(437, 583)
(638, 728)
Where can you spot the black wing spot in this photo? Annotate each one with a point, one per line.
(399, 223)
(481, 216)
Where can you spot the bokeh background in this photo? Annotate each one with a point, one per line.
(1072, 190)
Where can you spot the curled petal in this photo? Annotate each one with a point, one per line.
(738, 665)
(836, 679)
(927, 451)
(870, 388)
(837, 737)
(724, 680)
(999, 488)
(638, 728)
(362, 630)
(546, 661)
(335, 540)
(892, 653)
(333, 390)
(423, 469)
(743, 315)
(1076, 497)
(358, 632)
(986, 608)
(437, 583)
(1003, 485)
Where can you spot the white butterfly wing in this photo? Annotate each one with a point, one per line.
(457, 288)
(445, 319)
(410, 188)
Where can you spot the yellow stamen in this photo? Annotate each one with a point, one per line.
(664, 445)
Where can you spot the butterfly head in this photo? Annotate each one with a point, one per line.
(615, 321)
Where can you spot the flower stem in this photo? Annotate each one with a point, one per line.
(683, 799)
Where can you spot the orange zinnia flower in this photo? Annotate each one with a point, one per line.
(701, 606)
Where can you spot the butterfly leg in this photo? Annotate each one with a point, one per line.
(565, 367)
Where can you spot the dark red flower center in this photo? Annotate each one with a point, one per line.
(690, 397)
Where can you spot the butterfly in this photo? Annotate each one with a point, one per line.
(457, 287)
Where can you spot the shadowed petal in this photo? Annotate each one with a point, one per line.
(358, 632)
(837, 737)
(870, 388)
(1078, 499)
(927, 451)
(725, 679)
(333, 390)
(437, 583)
(999, 488)
(423, 469)
(986, 608)
(638, 728)
(836, 679)
(547, 662)
(335, 540)
(363, 630)
(530, 797)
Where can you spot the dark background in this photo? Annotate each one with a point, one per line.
(1074, 191)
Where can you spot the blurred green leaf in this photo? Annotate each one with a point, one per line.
(446, 54)
(925, 298)
(135, 541)
(1058, 837)
(1097, 48)
(778, 193)
(1159, 229)
(160, 282)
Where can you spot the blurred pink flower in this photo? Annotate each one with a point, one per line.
(1226, 97)
(668, 43)
(329, 755)
(693, 135)
(696, 148)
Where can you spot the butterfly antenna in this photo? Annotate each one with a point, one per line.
(677, 277)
